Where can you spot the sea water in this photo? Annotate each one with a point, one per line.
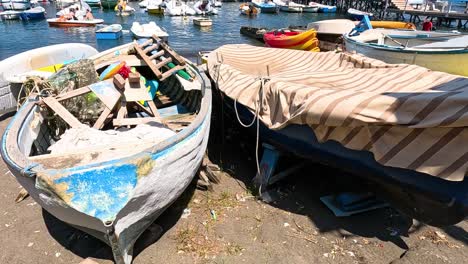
(186, 38)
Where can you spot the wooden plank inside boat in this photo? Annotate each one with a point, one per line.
(62, 111)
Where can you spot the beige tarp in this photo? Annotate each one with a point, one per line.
(407, 116)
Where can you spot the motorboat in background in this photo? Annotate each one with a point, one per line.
(34, 13)
(10, 15)
(156, 7)
(178, 8)
(147, 30)
(438, 51)
(358, 15)
(15, 4)
(266, 6)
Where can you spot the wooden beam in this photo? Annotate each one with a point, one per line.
(171, 71)
(102, 118)
(170, 51)
(163, 63)
(157, 55)
(62, 112)
(148, 61)
(72, 93)
(154, 109)
(134, 121)
(151, 48)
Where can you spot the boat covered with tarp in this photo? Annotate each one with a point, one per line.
(109, 142)
(401, 127)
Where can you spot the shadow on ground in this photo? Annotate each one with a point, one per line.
(233, 148)
(85, 245)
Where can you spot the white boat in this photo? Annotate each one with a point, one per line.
(66, 2)
(57, 22)
(358, 14)
(202, 22)
(131, 179)
(15, 4)
(310, 8)
(147, 30)
(143, 4)
(14, 70)
(324, 8)
(178, 8)
(437, 51)
(337, 27)
(128, 11)
(204, 8)
(217, 3)
(10, 15)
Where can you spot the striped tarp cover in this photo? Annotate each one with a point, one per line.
(407, 116)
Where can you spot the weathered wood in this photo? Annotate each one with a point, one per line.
(176, 57)
(73, 93)
(123, 110)
(146, 43)
(163, 62)
(134, 77)
(148, 61)
(157, 55)
(171, 71)
(150, 48)
(136, 92)
(154, 109)
(62, 112)
(106, 92)
(119, 81)
(130, 60)
(133, 121)
(102, 118)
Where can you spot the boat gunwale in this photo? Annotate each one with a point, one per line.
(13, 157)
(433, 51)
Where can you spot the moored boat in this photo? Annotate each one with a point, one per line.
(217, 3)
(386, 130)
(10, 15)
(324, 8)
(109, 4)
(15, 4)
(126, 11)
(266, 6)
(147, 30)
(358, 15)
(437, 51)
(113, 31)
(178, 8)
(34, 13)
(248, 9)
(202, 22)
(204, 8)
(119, 193)
(330, 32)
(41, 62)
(93, 3)
(58, 22)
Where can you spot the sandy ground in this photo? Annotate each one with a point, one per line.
(228, 225)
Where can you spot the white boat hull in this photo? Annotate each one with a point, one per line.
(455, 63)
(15, 69)
(16, 5)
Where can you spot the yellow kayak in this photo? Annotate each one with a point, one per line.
(310, 45)
(392, 25)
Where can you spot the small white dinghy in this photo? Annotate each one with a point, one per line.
(202, 22)
(10, 15)
(147, 30)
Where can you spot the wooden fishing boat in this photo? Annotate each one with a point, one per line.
(113, 31)
(387, 130)
(248, 9)
(128, 182)
(437, 51)
(57, 22)
(202, 22)
(41, 62)
(292, 40)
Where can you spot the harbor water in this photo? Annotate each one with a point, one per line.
(187, 39)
